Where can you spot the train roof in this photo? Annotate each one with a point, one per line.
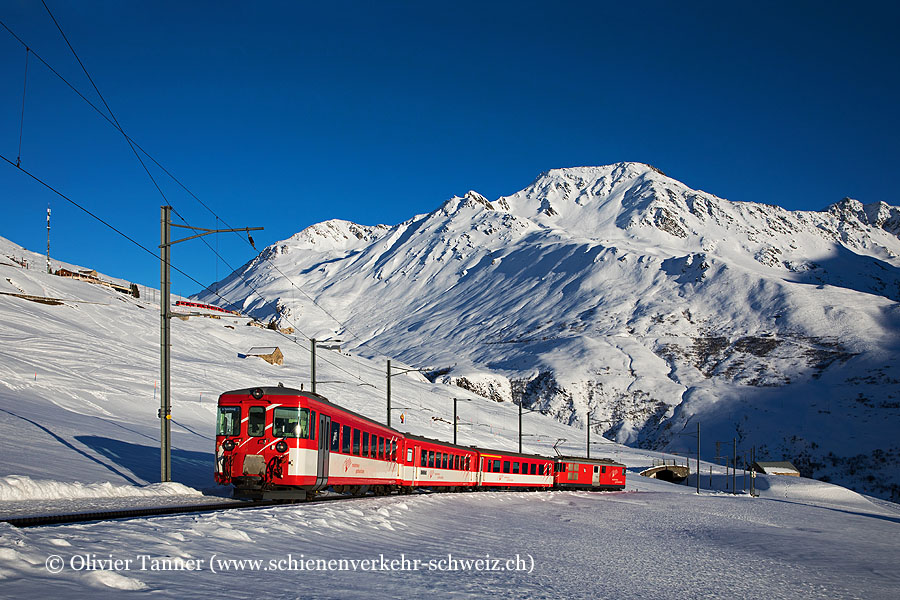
(509, 453)
(411, 436)
(286, 391)
(598, 461)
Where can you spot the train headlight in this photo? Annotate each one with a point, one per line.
(257, 393)
(281, 446)
(228, 445)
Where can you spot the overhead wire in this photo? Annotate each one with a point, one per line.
(147, 250)
(109, 110)
(22, 120)
(110, 117)
(135, 144)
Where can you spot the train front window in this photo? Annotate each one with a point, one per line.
(256, 421)
(229, 421)
(290, 423)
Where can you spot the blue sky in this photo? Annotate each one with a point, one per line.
(281, 115)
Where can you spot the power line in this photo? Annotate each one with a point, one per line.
(22, 120)
(111, 114)
(111, 119)
(133, 144)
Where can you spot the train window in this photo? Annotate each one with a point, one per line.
(603, 469)
(573, 471)
(312, 425)
(290, 422)
(409, 455)
(229, 421)
(381, 447)
(534, 468)
(356, 441)
(424, 458)
(596, 469)
(365, 445)
(515, 467)
(335, 436)
(345, 439)
(431, 458)
(506, 466)
(497, 466)
(487, 466)
(256, 421)
(456, 462)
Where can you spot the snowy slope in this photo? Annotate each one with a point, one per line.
(78, 397)
(79, 430)
(620, 291)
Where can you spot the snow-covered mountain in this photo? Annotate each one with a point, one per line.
(621, 293)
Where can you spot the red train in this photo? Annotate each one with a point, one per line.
(282, 443)
(206, 306)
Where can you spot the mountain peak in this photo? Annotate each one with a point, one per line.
(336, 234)
(876, 214)
(472, 199)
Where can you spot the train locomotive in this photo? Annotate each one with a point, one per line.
(278, 443)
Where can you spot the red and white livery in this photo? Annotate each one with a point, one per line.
(282, 443)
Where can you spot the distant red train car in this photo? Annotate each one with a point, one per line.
(500, 469)
(572, 472)
(206, 306)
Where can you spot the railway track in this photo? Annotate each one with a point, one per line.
(135, 513)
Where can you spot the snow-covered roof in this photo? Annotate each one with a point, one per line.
(258, 350)
(775, 467)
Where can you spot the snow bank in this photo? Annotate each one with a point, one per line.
(783, 487)
(20, 487)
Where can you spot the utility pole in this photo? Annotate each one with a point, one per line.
(49, 269)
(454, 421)
(589, 421)
(520, 422)
(401, 370)
(734, 467)
(312, 369)
(165, 339)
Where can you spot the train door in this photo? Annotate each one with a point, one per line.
(416, 468)
(323, 455)
(596, 480)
